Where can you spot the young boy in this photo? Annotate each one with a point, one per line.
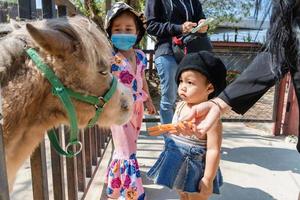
(189, 163)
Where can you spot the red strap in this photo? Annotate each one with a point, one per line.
(177, 41)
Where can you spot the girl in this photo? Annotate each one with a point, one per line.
(125, 29)
(189, 162)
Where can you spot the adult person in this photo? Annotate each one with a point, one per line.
(166, 19)
(282, 55)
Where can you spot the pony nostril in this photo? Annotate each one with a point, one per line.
(124, 105)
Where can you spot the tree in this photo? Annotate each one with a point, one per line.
(226, 10)
(223, 11)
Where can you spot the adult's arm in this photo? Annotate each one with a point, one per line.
(157, 25)
(251, 85)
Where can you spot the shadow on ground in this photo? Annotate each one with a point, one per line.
(228, 191)
(235, 192)
(277, 159)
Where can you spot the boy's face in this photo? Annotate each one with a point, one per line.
(194, 87)
(125, 23)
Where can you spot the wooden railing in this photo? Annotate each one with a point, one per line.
(80, 170)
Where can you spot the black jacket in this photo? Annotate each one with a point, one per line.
(165, 18)
(253, 83)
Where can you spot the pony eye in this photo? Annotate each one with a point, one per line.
(104, 73)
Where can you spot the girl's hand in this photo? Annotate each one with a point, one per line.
(185, 128)
(150, 107)
(206, 188)
(188, 26)
(204, 28)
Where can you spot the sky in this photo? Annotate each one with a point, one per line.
(38, 3)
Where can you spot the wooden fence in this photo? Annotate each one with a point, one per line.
(80, 170)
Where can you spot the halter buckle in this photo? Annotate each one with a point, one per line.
(101, 103)
(71, 144)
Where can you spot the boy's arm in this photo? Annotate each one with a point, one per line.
(214, 140)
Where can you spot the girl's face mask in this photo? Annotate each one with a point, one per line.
(123, 41)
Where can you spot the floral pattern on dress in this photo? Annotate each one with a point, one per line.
(124, 176)
(122, 69)
(126, 77)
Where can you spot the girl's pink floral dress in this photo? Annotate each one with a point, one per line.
(123, 175)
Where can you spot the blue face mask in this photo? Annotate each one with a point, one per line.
(123, 41)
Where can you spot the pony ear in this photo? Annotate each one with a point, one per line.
(55, 42)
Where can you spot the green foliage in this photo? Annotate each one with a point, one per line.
(221, 10)
(79, 5)
(226, 10)
(10, 1)
(99, 4)
(248, 38)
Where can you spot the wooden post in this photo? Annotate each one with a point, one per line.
(81, 168)
(39, 173)
(279, 106)
(27, 9)
(62, 11)
(99, 136)
(4, 192)
(88, 152)
(3, 11)
(58, 170)
(48, 9)
(291, 118)
(71, 171)
(94, 147)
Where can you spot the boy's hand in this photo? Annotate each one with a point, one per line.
(206, 188)
(204, 28)
(150, 107)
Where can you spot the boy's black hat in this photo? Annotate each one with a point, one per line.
(208, 65)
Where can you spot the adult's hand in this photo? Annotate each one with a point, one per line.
(205, 114)
(204, 28)
(188, 26)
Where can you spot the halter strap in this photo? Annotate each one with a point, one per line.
(65, 94)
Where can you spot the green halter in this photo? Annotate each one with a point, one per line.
(65, 94)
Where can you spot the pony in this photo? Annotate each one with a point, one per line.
(79, 55)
